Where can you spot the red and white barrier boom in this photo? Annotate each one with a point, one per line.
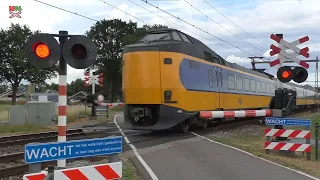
(111, 104)
(285, 56)
(97, 172)
(233, 114)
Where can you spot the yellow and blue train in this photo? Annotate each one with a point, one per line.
(169, 76)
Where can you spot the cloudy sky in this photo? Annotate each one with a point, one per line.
(235, 29)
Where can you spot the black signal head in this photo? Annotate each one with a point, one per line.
(42, 50)
(300, 74)
(79, 52)
(284, 74)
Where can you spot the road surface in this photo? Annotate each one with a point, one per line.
(191, 156)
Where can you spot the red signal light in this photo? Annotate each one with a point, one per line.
(286, 74)
(41, 50)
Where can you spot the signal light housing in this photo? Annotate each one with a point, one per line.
(286, 74)
(42, 50)
(79, 52)
(300, 74)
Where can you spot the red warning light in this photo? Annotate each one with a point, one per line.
(285, 74)
(42, 50)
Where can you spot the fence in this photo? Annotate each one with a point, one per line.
(288, 133)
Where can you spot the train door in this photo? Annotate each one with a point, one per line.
(219, 97)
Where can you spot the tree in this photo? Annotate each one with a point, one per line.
(13, 64)
(76, 86)
(52, 86)
(111, 36)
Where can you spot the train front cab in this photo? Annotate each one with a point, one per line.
(151, 89)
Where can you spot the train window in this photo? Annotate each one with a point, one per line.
(246, 84)
(231, 81)
(267, 88)
(156, 37)
(221, 79)
(194, 64)
(176, 36)
(208, 56)
(185, 38)
(258, 87)
(263, 87)
(216, 60)
(253, 85)
(217, 75)
(239, 83)
(210, 77)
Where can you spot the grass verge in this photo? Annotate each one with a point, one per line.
(252, 140)
(129, 170)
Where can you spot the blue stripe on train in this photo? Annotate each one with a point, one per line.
(198, 79)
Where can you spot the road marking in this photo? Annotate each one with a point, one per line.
(299, 172)
(135, 151)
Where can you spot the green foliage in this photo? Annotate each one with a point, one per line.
(76, 86)
(3, 88)
(52, 86)
(13, 64)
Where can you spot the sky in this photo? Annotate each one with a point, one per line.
(234, 29)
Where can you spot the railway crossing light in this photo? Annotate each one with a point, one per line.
(42, 50)
(286, 74)
(300, 74)
(79, 52)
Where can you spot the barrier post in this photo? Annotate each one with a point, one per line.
(308, 142)
(316, 139)
(50, 175)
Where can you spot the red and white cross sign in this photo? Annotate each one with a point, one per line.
(285, 56)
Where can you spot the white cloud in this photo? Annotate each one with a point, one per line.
(293, 18)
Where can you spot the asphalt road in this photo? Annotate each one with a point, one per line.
(167, 156)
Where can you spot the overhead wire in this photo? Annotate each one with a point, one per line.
(66, 10)
(167, 20)
(222, 26)
(197, 27)
(234, 23)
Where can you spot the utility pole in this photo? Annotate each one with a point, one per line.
(253, 62)
(317, 85)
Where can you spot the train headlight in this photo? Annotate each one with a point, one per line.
(167, 95)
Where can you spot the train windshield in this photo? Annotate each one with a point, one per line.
(155, 37)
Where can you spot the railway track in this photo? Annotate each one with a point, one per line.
(35, 137)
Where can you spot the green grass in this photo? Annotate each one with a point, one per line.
(129, 170)
(26, 128)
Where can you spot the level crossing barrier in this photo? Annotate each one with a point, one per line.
(35, 154)
(233, 114)
(288, 133)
